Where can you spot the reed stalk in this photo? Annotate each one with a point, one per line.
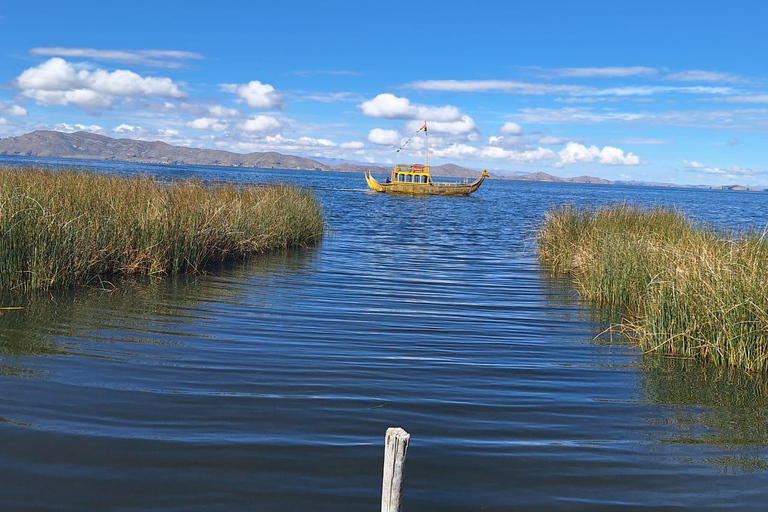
(59, 229)
(682, 289)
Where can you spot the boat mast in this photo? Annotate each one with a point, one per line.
(426, 134)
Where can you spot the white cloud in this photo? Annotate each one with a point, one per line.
(331, 97)
(494, 140)
(66, 127)
(223, 112)
(574, 153)
(58, 82)
(257, 95)
(531, 155)
(352, 145)
(168, 132)
(513, 87)
(508, 86)
(697, 75)
(745, 98)
(549, 140)
(208, 123)
(3, 121)
(126, 128)
(511, 129)
(12, 110)
(575, 115)
(154, 58)
(262, 125)
(455, 151)
(606, 72)
(390, 106)
(384, 137)
(650, 90)
(309, 141)
(733, 171)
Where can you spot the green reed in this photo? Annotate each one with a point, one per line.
(60, 229)
(682, 289)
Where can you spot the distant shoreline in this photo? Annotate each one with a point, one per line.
(94, 147)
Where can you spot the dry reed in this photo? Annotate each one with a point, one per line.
(682, 289)
(60, 229)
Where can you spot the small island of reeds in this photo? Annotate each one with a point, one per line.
(682, 289)
(64, 228)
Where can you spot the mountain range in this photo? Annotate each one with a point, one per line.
(46, 143)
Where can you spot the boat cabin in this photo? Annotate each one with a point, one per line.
(411, 174)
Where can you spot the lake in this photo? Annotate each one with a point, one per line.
(268, 385)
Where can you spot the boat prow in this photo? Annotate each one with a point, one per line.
(372, 183)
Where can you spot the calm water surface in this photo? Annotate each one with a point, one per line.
(268, 385)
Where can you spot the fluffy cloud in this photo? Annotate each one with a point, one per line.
(3, 121)
(126, 128)
(511, 129)
(455, 151)
(384, 137)
(257, 95)
(389, 106)
(58, 82)
(168, 132)
(223, 112)
(12, 110)
(208, 123)
(531, 155)
(352, 145)
(154, 58)
(574, 153)
(262, 125)
(66, 127)
(309, 141)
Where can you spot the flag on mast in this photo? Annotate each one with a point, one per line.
(424, 127)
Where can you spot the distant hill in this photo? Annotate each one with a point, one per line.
(542, 176)
(99, 147)
(88, 145)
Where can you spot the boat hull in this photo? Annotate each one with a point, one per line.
(425, 189)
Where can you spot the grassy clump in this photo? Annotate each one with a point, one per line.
(59, 229)
(682, 289)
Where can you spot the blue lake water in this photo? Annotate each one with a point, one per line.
(268, 385)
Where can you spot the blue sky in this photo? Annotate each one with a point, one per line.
(654, 91)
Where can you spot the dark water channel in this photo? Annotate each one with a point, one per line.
(268, 385)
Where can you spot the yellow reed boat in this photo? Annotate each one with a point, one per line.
(416, 179)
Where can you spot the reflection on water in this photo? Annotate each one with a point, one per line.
(721, 407)
(47, 321)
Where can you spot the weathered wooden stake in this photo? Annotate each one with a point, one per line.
(395, 448)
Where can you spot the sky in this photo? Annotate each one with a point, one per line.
(672, 91)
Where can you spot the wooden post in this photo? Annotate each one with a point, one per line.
(395, 448)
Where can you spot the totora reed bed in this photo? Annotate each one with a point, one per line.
(681, 289)
(61, 229)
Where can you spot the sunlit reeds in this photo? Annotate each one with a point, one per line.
(59, 229)
(682, 289)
